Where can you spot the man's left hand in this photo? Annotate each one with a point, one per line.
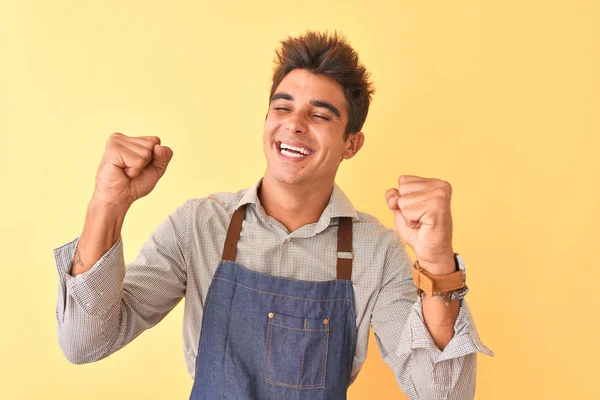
(423, 220)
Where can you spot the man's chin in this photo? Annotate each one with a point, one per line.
(286, 177)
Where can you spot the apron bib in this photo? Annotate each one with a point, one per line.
(265, 337)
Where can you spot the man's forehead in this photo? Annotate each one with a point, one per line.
(303, 79)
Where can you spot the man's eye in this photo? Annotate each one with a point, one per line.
(282, 109)
(322, 117)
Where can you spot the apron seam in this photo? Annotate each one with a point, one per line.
(280, 294)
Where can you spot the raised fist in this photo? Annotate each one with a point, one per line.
(130, 168)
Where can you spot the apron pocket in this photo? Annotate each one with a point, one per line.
(296, 350)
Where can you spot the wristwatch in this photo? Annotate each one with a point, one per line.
(451, 287)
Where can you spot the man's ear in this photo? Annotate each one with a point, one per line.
(354, 142)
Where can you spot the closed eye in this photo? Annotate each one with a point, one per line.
(322, 117)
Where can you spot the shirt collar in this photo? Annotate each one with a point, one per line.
(251, 195)
(339, 204)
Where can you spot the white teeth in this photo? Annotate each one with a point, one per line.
(290, 154)
(301, 150)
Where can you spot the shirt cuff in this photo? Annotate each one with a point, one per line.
(95, 290)
(465, 340)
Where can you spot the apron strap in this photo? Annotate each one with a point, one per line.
(345, 255)
(233, 234)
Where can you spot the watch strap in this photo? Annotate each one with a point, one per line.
(431, 283)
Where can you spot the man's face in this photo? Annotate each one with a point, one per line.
(308, 113)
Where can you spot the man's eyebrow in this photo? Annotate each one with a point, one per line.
(324, 104)
(316, 103)
(282, 95)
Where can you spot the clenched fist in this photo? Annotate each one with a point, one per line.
(423, 220)
(130, 168)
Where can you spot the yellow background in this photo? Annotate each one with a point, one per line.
(500, 98)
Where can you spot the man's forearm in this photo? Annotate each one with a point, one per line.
(101, 230)
(439, 318)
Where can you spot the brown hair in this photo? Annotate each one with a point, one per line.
(333, 57)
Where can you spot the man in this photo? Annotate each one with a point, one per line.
(283, 280)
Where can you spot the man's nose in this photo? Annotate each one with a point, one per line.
(296, 123)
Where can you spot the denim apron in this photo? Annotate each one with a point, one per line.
(265, 337)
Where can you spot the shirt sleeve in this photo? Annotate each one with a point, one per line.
(421, 369)
(101, 310)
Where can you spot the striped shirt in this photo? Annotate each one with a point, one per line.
(106, 307)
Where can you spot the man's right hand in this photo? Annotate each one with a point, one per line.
(130, 169)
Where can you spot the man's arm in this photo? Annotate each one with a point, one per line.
(104, 304)
(439, 318)
(422, 370)
(102, 228)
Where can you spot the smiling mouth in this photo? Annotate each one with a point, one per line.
(292, 151)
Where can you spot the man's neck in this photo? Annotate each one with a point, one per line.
(294, 205)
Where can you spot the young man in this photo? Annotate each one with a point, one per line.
(282, 280)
